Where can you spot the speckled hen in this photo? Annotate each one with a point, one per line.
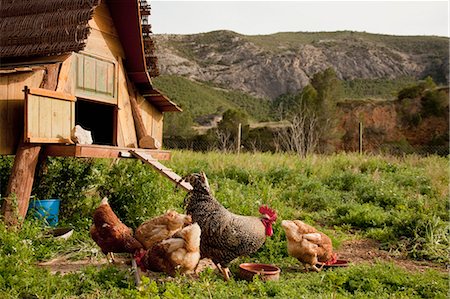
(225, 236)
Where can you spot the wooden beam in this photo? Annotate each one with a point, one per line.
(50, 80)
(98, 151)
(167, 172)
(52, 94)
(20, 183)
(144, 139)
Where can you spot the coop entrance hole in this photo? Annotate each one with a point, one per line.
(99, 118)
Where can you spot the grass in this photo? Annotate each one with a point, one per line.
(399, 201)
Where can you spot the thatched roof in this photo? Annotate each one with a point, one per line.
(44, 27)
(52, 27)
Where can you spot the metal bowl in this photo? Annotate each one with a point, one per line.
(63, 233)
(265, 271)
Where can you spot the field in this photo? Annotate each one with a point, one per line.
(387, 215)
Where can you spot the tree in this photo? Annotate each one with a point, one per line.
(178, 124)
(312, 114)
(229, 126)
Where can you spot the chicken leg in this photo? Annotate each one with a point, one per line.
(137, 276)
(225, 272)
(110, 258)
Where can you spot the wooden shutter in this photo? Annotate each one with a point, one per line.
(95, 79)
(49, 116)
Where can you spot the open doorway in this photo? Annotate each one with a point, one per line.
(99, 118)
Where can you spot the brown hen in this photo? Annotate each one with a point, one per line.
(307, 244)
(160, 228)
(180, 254)
(110, 234)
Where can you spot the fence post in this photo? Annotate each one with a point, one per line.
(360, 137)
(239, 134)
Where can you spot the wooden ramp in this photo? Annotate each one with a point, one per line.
(167, 172)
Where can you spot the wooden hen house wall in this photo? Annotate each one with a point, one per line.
(86, 65)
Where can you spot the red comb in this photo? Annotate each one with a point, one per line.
(264, 209)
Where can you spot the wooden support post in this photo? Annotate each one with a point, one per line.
(144, 140)
(360, 137)
(15, 205)
(20, 184)
(239, 136)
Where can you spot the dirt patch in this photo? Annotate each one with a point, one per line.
(65, 266)
(356, 251)
(367, 251)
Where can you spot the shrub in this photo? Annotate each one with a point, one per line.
(434, 102)
(136, 192)
(74, 181)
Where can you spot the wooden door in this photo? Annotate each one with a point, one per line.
(49, 116)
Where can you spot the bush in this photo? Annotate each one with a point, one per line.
(6, 164)
(434, 103)
(74, 181)
(136, 192)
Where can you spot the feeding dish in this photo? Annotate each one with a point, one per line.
(61, 233)
(265, 271)
(338, 263)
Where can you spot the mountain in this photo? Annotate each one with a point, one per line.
(266, 66)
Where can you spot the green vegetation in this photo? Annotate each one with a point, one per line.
(421, 100)
(409, 44)
(401, 202)
(385, 89)
(197, 99)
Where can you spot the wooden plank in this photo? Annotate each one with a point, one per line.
(52, 94)
(50, 81)
(59, 108)
(167, 172)
(3, 88)
(102, 77)
(38, 60)
(65, 79)
(80, 71)
(89, 73)
(5, 147)
(111, 79)
(49, 140)
(125, 115)
(32, 118)
(104, 45)
(45, 118)
(102, 20)
(98, 151)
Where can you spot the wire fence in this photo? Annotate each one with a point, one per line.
(255, 145)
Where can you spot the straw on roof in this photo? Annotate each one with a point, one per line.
(44, 27)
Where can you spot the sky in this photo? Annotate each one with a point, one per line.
(267, 17)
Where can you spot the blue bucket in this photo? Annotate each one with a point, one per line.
(47, 209)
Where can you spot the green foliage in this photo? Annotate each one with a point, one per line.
(434, 102)
(381, 88)
(417, 89)
(230, 123)
(136, 192)
(411, 92)
(328, 87)
(72, 180)
(197, 99)
(401, 202)
(6, 164)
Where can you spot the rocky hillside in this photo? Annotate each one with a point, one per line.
(267, 66)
